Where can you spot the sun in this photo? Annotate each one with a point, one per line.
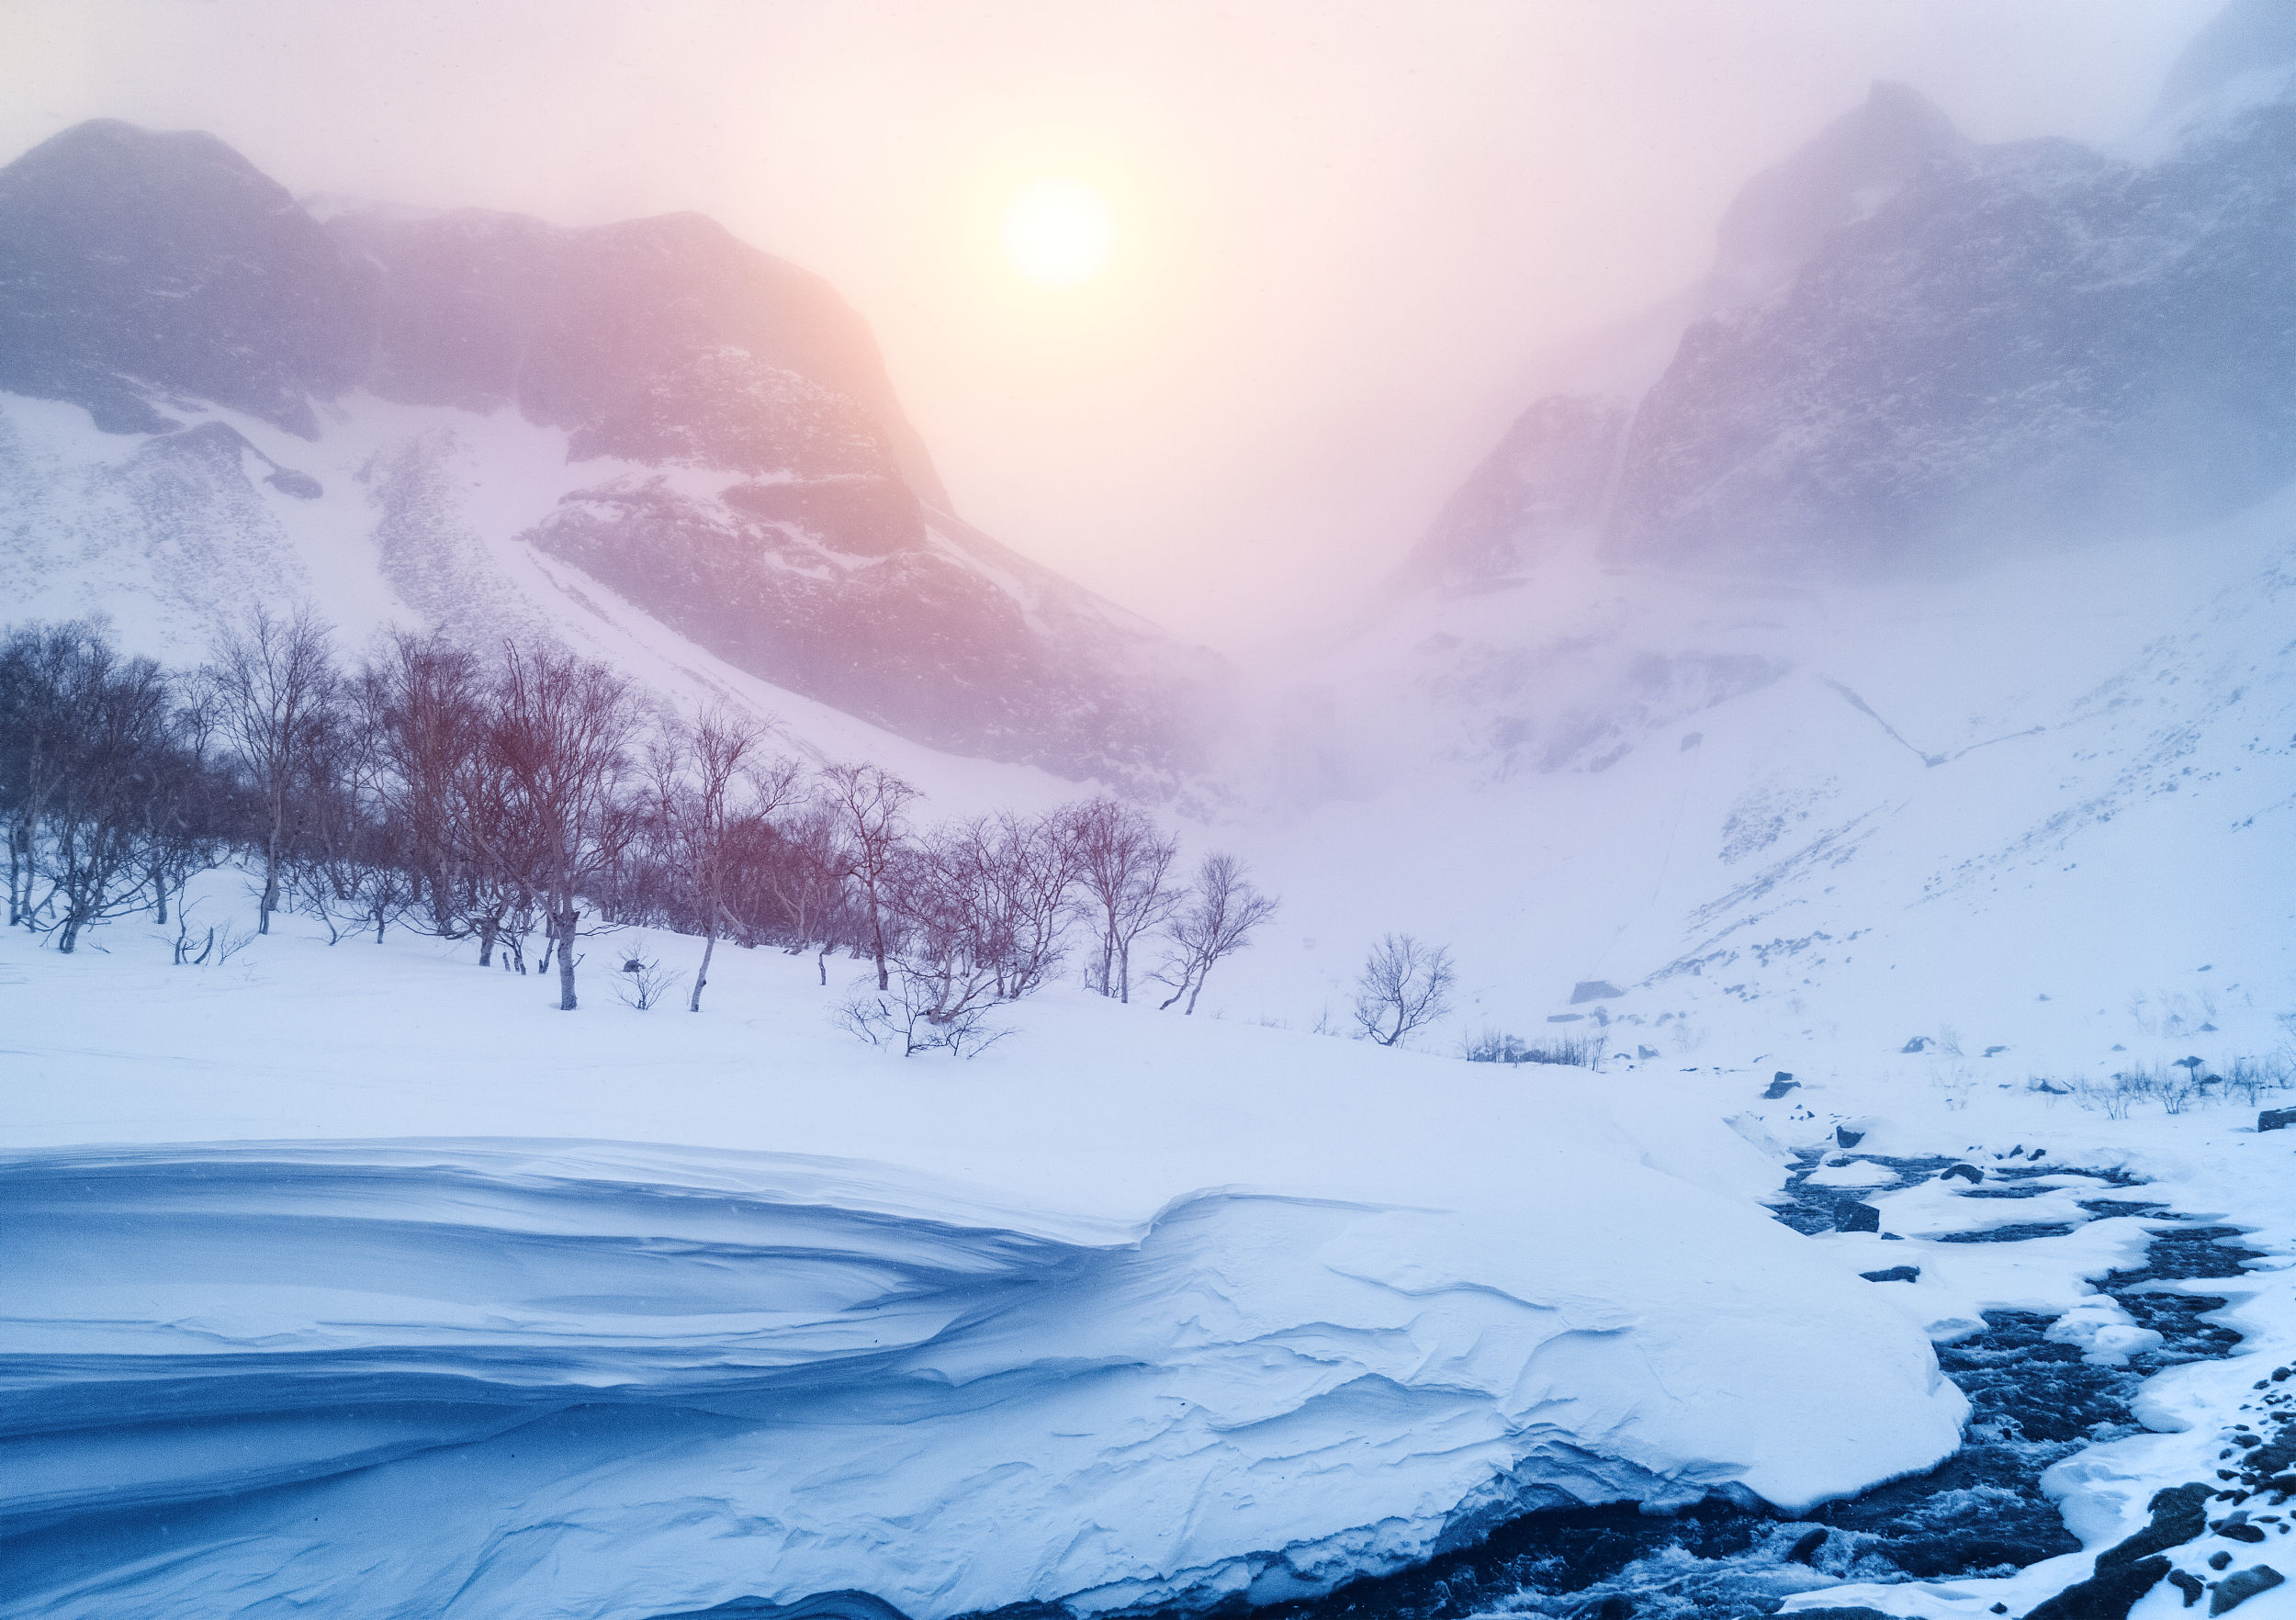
(1059, 233)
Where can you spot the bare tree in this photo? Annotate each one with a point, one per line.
(1124, 868)
(944, 909)
(808, 870)
(561, 727)
(38, 670)
(1217, 920)
(274, 684)
(1028, 866)
(353, 867)
(436, 776)
(713, 797)
(1404, 986)
(871, 806)
(116, 740)
(187, 811)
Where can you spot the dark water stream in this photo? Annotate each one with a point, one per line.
(2034, 1402)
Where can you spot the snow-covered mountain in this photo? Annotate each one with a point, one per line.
(209, 392)
(1915, 351)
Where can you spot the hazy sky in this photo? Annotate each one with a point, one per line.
(1345, 228)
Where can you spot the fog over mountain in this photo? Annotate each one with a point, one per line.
(1454, 191)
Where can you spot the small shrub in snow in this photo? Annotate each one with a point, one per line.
(910, 1013)
(643, 984)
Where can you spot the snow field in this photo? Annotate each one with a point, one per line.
(1240, 1310)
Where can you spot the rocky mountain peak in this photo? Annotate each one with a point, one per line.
(135, 262)
(1842, 175)
(2248, 37)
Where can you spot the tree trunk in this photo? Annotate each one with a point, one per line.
(270, 901)
(565, 920)
(709, 944)
(485, 927)
(822, 962)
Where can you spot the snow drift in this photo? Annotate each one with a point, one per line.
(435, 1378)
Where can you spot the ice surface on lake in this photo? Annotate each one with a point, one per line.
(579, 1379)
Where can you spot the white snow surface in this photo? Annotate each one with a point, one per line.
(1150, 1308)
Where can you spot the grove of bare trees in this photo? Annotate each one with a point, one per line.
(497, 795)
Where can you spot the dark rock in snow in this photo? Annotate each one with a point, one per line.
(2109, 1594)
(1593, 990)
(2218, 1560)
(1858, 1217)
(287, 481)
(2239, 1587)
(1805, 1545)
(1780, 1083)
(1968, 1173)
(827, 1605)
(1848, 1138)
(2240, 1532)
(1895, 1274)
(1645, 1053)
(2187, 1583)
(1918, 1043)
(2276, 1119)
(2178, 1516)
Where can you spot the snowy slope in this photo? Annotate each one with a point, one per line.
(2046, 809)
(408, 517)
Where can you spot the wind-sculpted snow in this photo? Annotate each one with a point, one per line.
(482, 1378)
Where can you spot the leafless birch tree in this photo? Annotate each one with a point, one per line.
(871, 806)
(1217, 920)
(561, 727)
(1124, 869)
(274, 684)
(1404, 986)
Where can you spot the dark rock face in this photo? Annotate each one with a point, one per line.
(763, 494)
(834, 587)
(1544, 485)
(662, 341)
(134, 262)
(2277, 1120)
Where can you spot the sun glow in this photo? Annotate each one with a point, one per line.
(1059, 233)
